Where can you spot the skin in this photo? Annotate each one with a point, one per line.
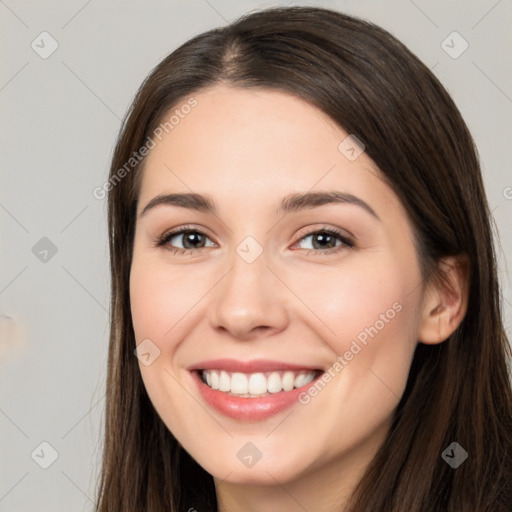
(247, 149)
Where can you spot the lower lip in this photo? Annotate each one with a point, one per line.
(249, 409)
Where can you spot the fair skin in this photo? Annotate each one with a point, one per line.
(247, 149)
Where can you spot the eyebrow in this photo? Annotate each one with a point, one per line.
(290, 203)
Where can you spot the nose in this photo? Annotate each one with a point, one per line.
(249, 301)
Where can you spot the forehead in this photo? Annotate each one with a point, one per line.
(257, 145)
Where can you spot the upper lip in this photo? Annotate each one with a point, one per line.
(253, 366)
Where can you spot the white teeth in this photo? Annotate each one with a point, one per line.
(300, 380)
(288, 381)
(214, 378)
(224, 381)
(239, 384)
(274, 383)
(256, 384)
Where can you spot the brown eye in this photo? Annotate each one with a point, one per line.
(326, 241)
(191, 239)
(188, 238)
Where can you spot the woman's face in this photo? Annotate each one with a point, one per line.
(265, 295)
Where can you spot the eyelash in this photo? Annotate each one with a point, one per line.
(346, 241)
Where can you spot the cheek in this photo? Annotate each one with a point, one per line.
(367, 313)
(147, 303)
(356, 295)
(161, 301)
(368, 316)
(160, 297)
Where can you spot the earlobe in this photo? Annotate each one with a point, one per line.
(445, 301)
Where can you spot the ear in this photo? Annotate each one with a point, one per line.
(445, 301)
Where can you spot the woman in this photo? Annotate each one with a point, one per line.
(305, 306)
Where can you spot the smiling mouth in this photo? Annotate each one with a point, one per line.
(258, 384)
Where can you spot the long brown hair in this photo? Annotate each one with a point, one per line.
(372, 86)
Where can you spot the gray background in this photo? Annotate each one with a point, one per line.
(59, 119)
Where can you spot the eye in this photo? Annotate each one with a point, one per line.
(324, 241)
(191, 239)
